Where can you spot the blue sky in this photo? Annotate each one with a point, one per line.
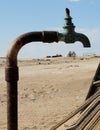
(21, 16)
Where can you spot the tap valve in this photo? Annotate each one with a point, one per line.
(68, 19)
(69, 35)
(67, 12)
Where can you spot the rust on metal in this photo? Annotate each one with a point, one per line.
(11, 71)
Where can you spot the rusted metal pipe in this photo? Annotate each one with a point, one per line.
(11, 71)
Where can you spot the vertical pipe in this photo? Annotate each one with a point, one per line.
(12, 105)
(12, 98)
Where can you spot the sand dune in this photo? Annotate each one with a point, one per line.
(48, 90)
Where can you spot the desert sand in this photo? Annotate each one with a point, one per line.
(48, 89)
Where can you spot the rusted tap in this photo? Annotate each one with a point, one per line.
(11, 70)
(69, 35)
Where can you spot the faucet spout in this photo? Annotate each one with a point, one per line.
(69, 35)
(83, 39)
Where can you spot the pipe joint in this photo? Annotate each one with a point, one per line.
(50, 36)
(11, 74)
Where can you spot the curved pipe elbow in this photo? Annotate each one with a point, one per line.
(83, 39)
(18, 43)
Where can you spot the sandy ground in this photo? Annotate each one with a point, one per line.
(48, 90)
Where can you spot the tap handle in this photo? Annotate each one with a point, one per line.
(67, 12)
